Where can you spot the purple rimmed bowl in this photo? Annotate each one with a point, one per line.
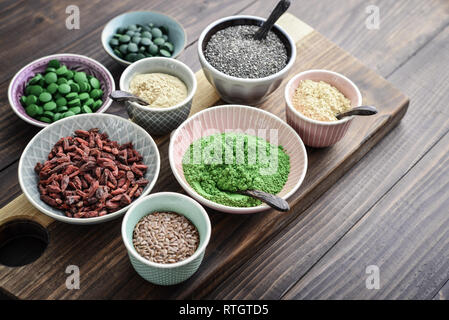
(72, 61)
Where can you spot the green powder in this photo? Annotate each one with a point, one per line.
(219, 165)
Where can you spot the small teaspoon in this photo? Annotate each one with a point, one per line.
(123, 96)
(358, 111)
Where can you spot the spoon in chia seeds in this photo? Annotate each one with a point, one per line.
(123, 96)
(272, 200)
(278, 11)
(358, 111)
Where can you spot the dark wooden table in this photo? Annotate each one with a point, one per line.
(391, 210)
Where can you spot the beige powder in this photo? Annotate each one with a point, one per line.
(319, 100)
(160, 90)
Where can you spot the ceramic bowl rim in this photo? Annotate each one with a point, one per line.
(155, 60)
(318, 122)
(41, 124)
(246, 80)
(93, 220)
(113, 56)
(218, 206)
(201, 248)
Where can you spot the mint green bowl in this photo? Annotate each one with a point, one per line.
(173, 273)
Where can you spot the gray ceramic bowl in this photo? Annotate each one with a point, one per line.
(160, 121)
(118, 129)
(240, 90)
(177, 35)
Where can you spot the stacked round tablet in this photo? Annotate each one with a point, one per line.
(137, 41)
(59, 92)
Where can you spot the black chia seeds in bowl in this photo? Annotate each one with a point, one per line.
(244, 70)
(235, 52)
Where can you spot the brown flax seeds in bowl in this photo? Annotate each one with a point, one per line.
(165, 237)
(319, 100)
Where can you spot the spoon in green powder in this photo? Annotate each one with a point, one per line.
(272, 200)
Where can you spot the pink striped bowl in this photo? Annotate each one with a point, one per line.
(319, 134)
(236, 118)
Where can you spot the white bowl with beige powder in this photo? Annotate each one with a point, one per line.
(168, 85)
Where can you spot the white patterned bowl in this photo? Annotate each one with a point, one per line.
(118, 129)
(236, 118)
(314, 133)
(173, 273)
(159, 121)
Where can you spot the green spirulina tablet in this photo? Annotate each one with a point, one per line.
(83, 96)
(61, 102)
(159, 41)
(68, 114)
(74, 87)
(52, 88)
(23, 100)
(61, 80)
(147, 35)
(49, 114)
(45, 119)
(165, 37)
(31, 99)
(51, 77)
(164, 53)
(118, 53)
(132, 47)
(95, 83)
(168, 46)
(71, 96)
(62, 109)
(64, 88)
(54, 63)
(86, 109)
(142, 49)
(36, 90)
(80, 77)
(156, 32)
(61, 71)
(74, 103)
(114, 42)
(123, 48)
(89, 102)
(32, 110)
(97, 104)
(125, 38)
(140, 56)
(40, 111)
(49, 69)
(35, 79)
(75, 110)
(145, 41)
(57, 116)
(69, 74)
(96, 93)
(153, 49)
(50, 106)
(136, 39)
(45, 97)
(84, 86)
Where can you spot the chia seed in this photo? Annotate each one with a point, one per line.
(235, 52)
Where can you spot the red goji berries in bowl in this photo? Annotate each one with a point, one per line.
(88, 169)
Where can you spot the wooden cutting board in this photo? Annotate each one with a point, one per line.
(98, 251)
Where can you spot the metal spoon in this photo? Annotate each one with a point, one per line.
(123, 96)
(278, 11)
(358, 111)
(273, 201)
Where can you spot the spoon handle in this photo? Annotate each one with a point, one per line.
(278, 11)
(123, 96)
(358, 111)
(273, 201)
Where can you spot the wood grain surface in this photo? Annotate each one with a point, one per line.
(409, 49)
